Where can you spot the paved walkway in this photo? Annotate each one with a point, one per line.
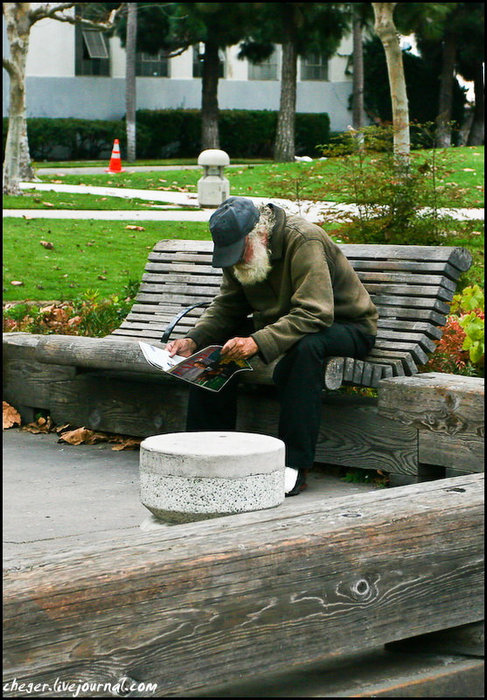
(188, 201)
(58, 497)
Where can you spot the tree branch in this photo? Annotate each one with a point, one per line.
(45, 12)
(9, 67)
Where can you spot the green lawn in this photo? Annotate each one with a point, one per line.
(101, 255)
(32, 199)
(462, 185)
(319, 180)
(106, 255)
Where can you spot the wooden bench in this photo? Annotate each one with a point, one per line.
(410, 285)
(105, 383)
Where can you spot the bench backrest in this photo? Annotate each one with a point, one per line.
(410, 285)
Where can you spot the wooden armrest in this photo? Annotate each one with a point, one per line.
(171, 325)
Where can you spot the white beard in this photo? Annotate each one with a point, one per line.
(257, 269)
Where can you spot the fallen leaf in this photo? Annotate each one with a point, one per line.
(41, 425)
(47, 244)
(128, 444)
(82, 435)
(47, 204)
(468, 170)
(11, 416)
(16, 283)
(102, 277)
(135, 228)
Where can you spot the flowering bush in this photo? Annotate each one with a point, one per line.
(461, 348)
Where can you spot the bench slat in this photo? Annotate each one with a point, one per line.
(399, 277)
(152, 275)
(451, 273)
(427, 328)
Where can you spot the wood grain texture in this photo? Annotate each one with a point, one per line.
(442, 403)
(224, 601)
(352, 433)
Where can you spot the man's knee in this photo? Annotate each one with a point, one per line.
(303, 355)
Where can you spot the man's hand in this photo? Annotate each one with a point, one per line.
(182, 346)
(239, 348)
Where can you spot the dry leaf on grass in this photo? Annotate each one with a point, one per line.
(47, 245)
(135, 228)
(11, 416)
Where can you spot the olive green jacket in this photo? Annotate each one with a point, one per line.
(311, 285)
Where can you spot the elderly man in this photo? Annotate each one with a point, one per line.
(288, 292)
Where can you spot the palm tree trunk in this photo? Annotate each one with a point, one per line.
(387, 33)
(443, 125)
(209, 99)
(358, 73)
(476, 134)
(284, 147)
(130, 80)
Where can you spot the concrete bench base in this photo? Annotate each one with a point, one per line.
(193, 476)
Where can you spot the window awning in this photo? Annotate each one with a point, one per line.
(95, 44)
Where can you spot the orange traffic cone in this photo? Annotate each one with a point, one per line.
(115, 165)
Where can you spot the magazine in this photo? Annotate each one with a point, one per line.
(205, 368)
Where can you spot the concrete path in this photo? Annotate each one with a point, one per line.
(314, 211)
(59, 497)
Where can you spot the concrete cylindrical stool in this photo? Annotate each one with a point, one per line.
(192, 476)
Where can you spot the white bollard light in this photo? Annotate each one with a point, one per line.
(213, 187)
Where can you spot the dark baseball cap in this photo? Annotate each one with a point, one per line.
(229, 225)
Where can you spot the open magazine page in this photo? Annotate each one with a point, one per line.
(205, 368)
(157, 357)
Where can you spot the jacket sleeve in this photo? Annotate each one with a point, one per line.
(225, 314)
(311, 304)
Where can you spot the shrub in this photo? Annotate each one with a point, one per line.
(168, 133)
(461, 347)
(392, 207)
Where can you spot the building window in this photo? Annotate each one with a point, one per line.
(198, 56)
(314, 67)
(91, 52)
(148, 66)
(266, 69)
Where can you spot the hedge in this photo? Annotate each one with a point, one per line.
(170, 133)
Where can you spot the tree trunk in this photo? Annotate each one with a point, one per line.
(476, 134)
(284, 144)
(387, 33)
(358, 73)
(443, 125)
(17, 163)
(209, 99)
(130, 80)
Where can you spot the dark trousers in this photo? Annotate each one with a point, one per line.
(299, 377)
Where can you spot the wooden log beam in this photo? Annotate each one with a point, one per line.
(446, 409)
(227, 600)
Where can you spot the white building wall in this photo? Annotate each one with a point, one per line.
(53, 90)
(51, 49)
(117, 58)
